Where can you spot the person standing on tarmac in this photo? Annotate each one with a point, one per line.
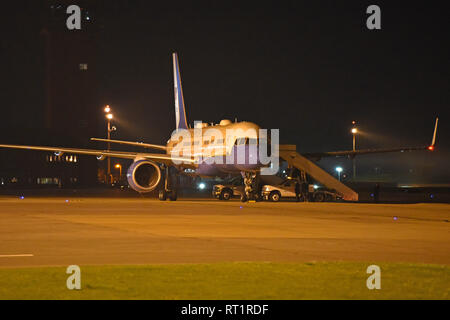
(305, 192)
(297, 191)
(376, 193)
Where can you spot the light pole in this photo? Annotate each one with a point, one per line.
(118, 166)
(109, 117)
(354, 132)
(339, 170)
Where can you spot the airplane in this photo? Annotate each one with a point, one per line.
(199, 155)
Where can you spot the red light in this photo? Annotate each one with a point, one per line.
(431, 148)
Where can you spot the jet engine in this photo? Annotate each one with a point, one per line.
(143, 176)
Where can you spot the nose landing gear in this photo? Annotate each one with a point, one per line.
(251, 182)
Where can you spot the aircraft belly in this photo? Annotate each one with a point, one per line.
(208, 169)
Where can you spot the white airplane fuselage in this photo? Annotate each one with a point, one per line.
(218, 149)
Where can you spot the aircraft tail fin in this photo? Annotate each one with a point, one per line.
(180, 111)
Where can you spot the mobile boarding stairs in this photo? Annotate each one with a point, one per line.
(294, 159)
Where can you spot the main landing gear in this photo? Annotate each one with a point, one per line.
(251, 183)
(169, 190)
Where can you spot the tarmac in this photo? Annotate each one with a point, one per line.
(106, 231)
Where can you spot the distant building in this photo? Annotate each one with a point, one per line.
(71, 110)
(30, 169)
(72, 104)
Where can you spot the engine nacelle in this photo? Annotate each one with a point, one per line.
(144, 176)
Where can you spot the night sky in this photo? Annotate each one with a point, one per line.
(306, 67)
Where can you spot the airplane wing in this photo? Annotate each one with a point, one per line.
(100, 154)
(130, 143)
(354, 153)
(351, 153)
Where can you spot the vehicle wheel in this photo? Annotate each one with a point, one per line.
(162, 195)
(226, 195)
(319, 197)
(274, 196)
(173, 196)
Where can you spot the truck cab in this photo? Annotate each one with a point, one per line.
(286, 189)
(228, 190)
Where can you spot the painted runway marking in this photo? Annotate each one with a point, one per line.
(16, 255)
